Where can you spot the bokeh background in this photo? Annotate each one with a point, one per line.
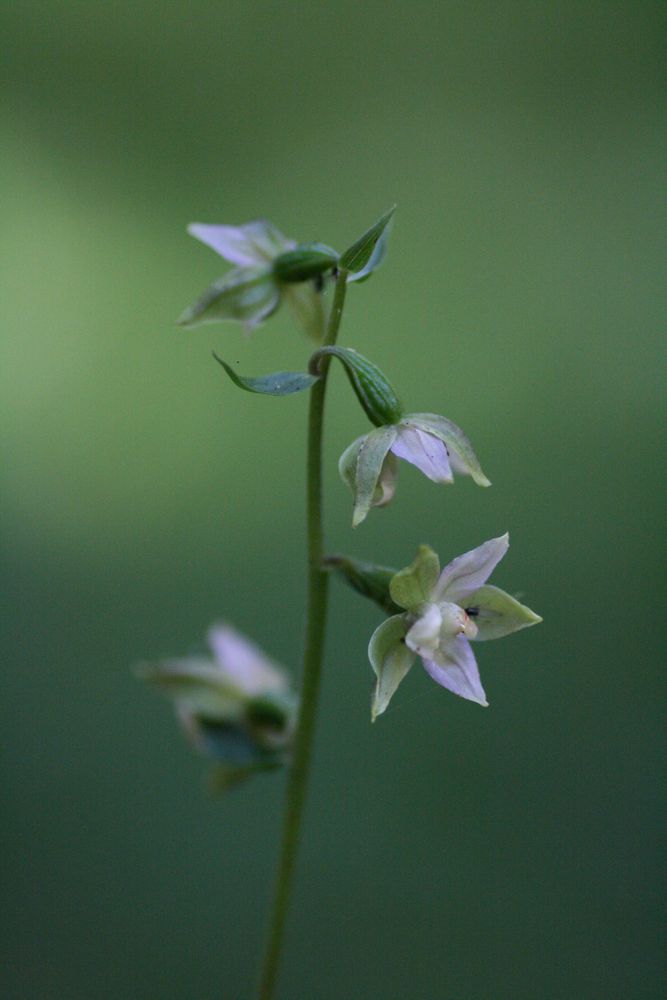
(449, 852)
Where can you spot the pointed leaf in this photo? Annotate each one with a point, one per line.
(246, 294)
(496, 613)
(462, 456)
(366, 578)
(371, 386)
(390, 659)
(276, 384)
(414, 585)
(357, 256)
(375, 259)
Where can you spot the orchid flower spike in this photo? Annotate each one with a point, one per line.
(435, 445)
(444, 612)
(236, 706)
(268, 268)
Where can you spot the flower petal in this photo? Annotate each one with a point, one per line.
(468, 572)
(255, 242)
(454, 667)
(496, 613)
(390, 659)
(243, 663)
(462, 458)
(424, 451)
(424, 636)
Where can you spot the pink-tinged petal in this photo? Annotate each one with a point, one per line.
(454, 667)
(253, 243)
(424, 451)
(243, 663)
(468, 572)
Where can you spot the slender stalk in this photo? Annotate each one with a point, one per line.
(316, 614)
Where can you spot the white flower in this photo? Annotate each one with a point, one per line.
(435, 445)
(250, 292)
(237, 707)
(444, 612)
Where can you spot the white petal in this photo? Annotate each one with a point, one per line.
(468, 572)
(424, 451)
(253, 243)
(243, 663)
(424, 636)
(454, 667)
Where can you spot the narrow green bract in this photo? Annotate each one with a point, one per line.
(358, 255)
(275, 384)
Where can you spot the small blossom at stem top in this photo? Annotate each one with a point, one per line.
(252, 291)
(236, 707)
(435, 445)
(444, 612)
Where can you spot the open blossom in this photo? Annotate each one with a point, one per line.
(236, 706)
(250, 293)
(435, 445)
(444, 612)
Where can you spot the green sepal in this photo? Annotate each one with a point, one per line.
(276, 384)
(358, 255)
(196, 687)
(306, 261)
(454, 440)
(366, 578)
(391, 659)
(372, 388)
(307, 306)
(413, 586)
(246, 294)
(367, 468)
(496, 613)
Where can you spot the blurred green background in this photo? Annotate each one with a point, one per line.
(449, 852)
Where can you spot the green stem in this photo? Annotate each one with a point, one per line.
(316, 614)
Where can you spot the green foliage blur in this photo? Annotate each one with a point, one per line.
(450, 852)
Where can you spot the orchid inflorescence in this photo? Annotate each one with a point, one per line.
(237, 707)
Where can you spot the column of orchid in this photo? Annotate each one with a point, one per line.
(236, 705)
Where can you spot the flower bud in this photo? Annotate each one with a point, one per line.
(307, 261)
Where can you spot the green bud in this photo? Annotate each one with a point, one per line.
(372, 388)
(307, 261)
(366, 578)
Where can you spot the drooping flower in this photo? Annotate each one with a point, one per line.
(435, 445)
(444, 612)
(252, 291)
(237, 706)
